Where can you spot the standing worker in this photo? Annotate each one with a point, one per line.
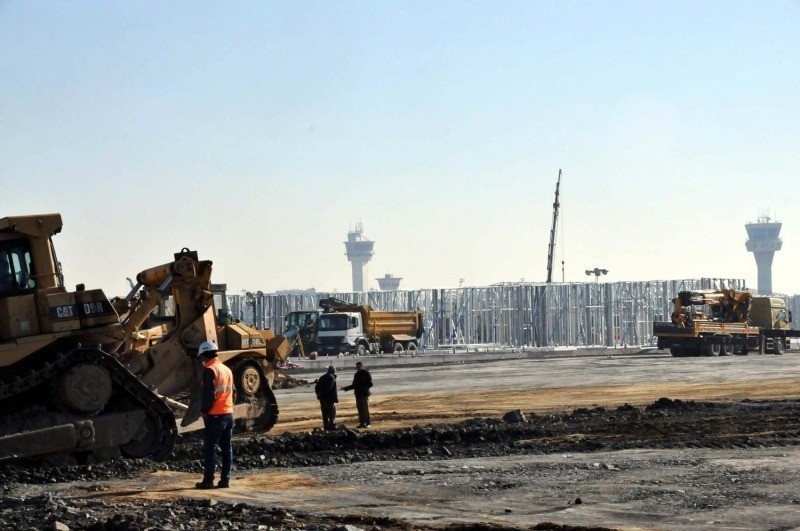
(362, 381)
(328, 397)
(218, 396)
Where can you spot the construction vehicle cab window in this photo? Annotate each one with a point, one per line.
(16, 273)
(336, 322)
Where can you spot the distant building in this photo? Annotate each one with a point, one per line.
(389, 283)
(763, 242)
(309, 291)
(359, 252)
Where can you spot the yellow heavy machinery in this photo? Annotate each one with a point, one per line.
(69, 387)
(724, 322)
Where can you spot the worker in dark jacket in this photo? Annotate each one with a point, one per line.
(362, 382)
(216, 404)
(328, 397)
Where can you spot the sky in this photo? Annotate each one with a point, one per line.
(259, 133)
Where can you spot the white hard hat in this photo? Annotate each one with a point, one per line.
(207, 347)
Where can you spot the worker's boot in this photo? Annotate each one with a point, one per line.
(204, 485)
(224, 483)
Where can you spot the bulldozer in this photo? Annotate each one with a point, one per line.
(73, 388)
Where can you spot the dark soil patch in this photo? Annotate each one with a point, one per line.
(664, 424)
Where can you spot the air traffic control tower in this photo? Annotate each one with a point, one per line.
(359, 252)
(388, 282)
(763, 242)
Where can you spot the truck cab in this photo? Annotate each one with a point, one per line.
(770, 313)
(341, 333)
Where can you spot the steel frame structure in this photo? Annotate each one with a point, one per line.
(590, 314)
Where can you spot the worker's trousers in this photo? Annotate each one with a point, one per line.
(328, 414)
(219, 429)
(362, 404)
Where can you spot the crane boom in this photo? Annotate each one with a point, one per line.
(552, 247)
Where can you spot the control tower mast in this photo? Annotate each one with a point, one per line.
(359, 252)
(763, 242)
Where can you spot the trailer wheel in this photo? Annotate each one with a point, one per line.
(727, 350)
(412, 346)
(778, 346)
(712, 349)
(398, 348)
(677, 352)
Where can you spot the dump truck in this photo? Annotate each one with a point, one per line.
(347, 328)
(725, 322)
(70, 389)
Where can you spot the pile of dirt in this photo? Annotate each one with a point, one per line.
(286, 381)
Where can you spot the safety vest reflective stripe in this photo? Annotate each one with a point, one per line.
(223, 388)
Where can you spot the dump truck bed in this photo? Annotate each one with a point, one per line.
(384, 324)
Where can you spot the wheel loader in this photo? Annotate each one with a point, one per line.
(72, 388)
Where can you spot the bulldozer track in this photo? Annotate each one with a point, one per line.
(266, 422)
(60, 357)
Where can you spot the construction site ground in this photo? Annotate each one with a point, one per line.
(642, 441)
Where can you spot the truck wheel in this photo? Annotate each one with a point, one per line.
(398, 348)
(779, 347)
(412, 346)
(361, 350)
(712, 349)
(727, 350)
(677, 352)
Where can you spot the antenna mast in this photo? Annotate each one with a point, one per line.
(552, 247)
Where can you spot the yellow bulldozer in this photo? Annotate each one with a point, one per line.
(74, 386)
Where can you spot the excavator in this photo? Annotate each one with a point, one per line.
(72, 386)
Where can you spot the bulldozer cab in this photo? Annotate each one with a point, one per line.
(27, 265)
(33, 299)
(27, 256)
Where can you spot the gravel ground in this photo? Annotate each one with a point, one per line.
(37, 496)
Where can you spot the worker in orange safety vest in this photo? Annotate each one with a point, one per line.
(218, 396)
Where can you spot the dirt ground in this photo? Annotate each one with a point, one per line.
(635, 442)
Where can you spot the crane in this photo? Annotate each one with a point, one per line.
(552, 247)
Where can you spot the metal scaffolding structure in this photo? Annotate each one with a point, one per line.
(590, 314)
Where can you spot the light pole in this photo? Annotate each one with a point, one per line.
(596, 272)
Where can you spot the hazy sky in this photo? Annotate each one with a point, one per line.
(258, 132)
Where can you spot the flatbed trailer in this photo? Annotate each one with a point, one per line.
(708, 338)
